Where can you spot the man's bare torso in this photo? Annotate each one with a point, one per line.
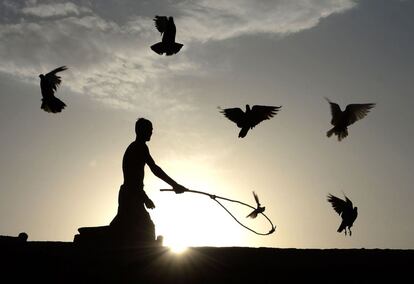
(133, 163)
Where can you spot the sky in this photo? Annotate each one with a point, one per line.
(60, 172)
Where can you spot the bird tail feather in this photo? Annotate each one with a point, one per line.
(243, 132)
(52, 105)
(158, 48)
(330, 132)
(174, 48)
(167, 48)
(341, 133)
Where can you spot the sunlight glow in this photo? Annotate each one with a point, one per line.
(192, 220)
(178, 249)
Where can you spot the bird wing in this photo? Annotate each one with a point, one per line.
(234, 114)
(349, 205)
(252, 215)
(256, 198)
(355, 112)
(355, 215)
(260, 113)
(161, 23)
(59, 69)
(52, 80)
(338, 204)
(335, 109)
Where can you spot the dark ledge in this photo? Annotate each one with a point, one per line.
(65, 262)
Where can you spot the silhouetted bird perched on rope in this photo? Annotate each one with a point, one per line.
(48, 85)
(165, 25)
(346, 210)
(249, 119)
(259, 209)
(342, 119)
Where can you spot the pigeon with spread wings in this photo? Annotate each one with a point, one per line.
(165, 25)
(259, 209)
(251, 117)
(342, 119)
(346, 210)
(48, 85)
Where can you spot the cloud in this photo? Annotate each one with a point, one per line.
(111, 61)
(57, 9)
(217, 20)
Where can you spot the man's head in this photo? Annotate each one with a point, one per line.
(143, 129)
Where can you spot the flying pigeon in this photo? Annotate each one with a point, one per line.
(258, 209)
(346, 210)
(249, 119)
(48, 85)
(342, 119)
(165, 25)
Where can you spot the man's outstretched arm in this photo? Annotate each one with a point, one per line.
(156, 170)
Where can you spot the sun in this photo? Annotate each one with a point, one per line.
(193, 220)
(178, 249)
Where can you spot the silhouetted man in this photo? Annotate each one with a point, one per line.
(132, 224)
